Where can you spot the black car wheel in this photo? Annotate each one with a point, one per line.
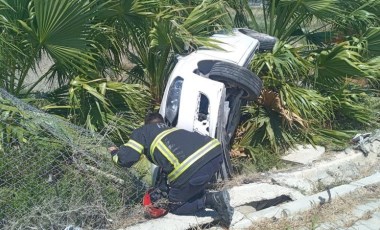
(267, 42)
(243, 84)
(234, 76)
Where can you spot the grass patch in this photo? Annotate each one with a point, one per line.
(259, 160)
(49, 186)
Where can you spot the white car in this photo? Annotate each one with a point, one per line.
(207, 87)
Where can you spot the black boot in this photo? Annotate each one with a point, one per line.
(220, 202)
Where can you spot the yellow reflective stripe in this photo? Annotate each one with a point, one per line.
(157, 139)
(135, 145)
(168, 154)
(115, 159)
(191, 159)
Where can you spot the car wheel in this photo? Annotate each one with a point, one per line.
(267, 42)
(234, 76)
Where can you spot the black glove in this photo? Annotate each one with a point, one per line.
(157, 194)
(159, 198)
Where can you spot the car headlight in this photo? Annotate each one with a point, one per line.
(173, 100)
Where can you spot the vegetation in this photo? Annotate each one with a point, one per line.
(318, 78)
(110, 63)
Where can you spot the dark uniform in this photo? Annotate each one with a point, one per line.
(189, 159)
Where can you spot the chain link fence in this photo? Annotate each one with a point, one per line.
(55, 174)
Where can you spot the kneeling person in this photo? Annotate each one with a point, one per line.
(189, 160)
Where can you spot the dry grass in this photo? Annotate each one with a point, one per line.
(129, 216)
(338, 212)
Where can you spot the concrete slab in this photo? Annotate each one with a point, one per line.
(358, 213)
(364, 209)
(306, 203)
(249, 193)
(341, 168)
(238, 216)
(245, 209)
(372, 223)
(304, 154)
(175, 222)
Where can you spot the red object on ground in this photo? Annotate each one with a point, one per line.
(150, 210)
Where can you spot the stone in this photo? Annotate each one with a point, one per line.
(245, 209)
(238, 216)
(304, 154)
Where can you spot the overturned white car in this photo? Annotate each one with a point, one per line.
(207, 87)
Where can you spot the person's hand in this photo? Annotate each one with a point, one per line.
(112, 149)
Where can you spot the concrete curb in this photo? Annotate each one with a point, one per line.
(342, 167)
(305, 203)
(174, 222)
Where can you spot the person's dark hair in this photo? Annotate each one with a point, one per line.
(153, 118)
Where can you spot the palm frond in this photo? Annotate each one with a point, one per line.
(61, 29)
(288, 16)
(96, 104)
(167, 29)
(349, 105)
(325, 137)
(369, 42)
(374, 64)
(333, 66)
(284, 63)
(358, 16)
(244, 16)
(207, 18)
(264, 127)
(308, 103)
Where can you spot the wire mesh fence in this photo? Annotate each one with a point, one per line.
(54, 174)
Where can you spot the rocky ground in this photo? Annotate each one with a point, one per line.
(325, 190)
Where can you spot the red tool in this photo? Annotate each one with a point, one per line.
(152, 211)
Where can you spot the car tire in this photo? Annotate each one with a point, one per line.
(235, 76)
(267, 42)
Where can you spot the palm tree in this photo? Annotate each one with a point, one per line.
(311, 76)
(87, 42)
(67, 32)
(155, 31)
(57, 29)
